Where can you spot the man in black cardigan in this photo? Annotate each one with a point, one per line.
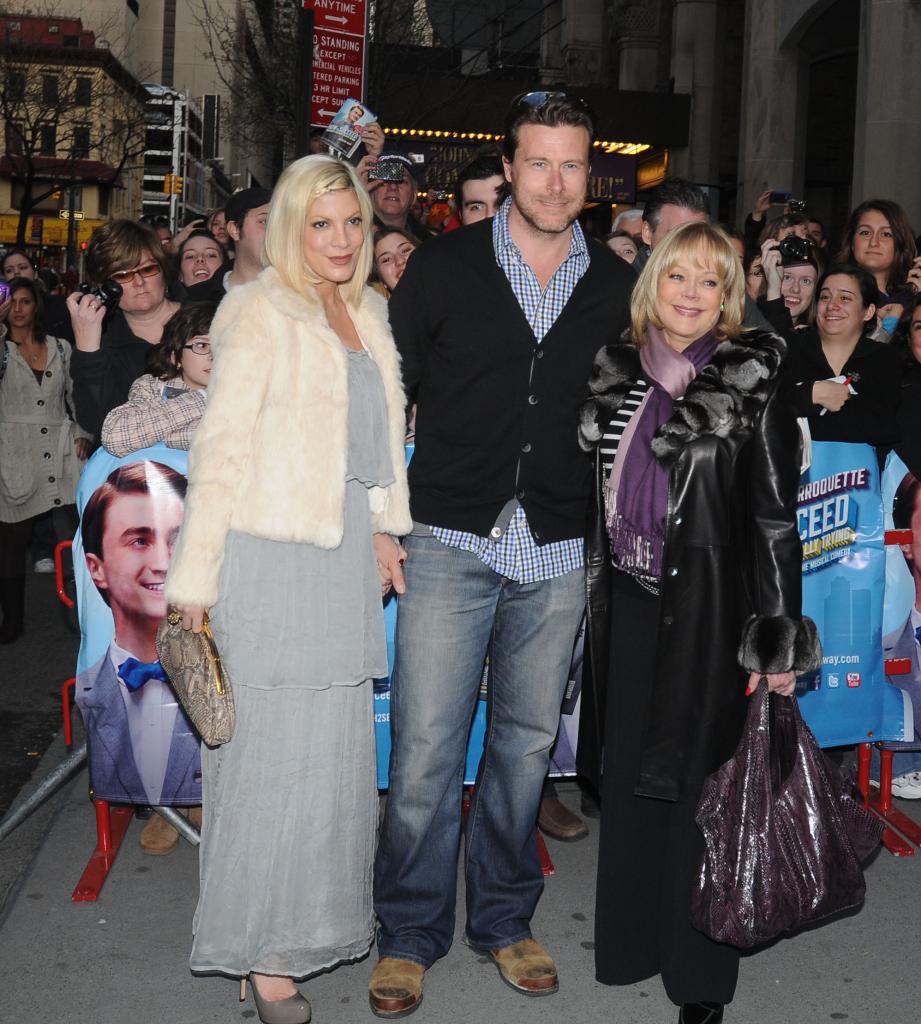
(497, 324)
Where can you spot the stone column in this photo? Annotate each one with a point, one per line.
(772, 126)
(581, 40)
(887, 146)
(636, 33)
(697, 30)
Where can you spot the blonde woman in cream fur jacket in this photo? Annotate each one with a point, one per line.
(297, 493)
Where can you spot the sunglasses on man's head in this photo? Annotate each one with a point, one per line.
(541, 98)
(124, 277)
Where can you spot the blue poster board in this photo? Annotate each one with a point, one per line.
(840, 516)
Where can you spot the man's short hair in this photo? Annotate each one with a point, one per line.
(625, 215)
(481, 166)
(550, 109)
(906, 502)
(675, 192)
(135, 478)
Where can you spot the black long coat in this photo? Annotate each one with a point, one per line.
(731, 585)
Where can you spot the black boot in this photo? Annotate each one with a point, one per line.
(701, 1013)
(12, 601)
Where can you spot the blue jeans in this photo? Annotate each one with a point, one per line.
(452, 606)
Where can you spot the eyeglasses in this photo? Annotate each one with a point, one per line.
(541, 98)
(127, 276)
(200, 348)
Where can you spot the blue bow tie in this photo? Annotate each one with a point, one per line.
(918, 634)
(134, 673)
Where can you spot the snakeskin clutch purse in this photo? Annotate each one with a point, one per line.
(192, 662)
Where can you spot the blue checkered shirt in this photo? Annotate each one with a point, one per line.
(515, 554)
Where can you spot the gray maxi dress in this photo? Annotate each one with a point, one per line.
(290, 803)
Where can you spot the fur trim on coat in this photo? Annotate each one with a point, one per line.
(269, 456)
(777, 643)
(725, 398)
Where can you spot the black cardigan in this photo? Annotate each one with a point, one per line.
(496, 412)
(870, 416)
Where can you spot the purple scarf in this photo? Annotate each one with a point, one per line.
(636, 493)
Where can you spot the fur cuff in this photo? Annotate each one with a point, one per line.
(777, 643)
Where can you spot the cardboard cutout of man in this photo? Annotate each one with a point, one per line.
(143, 749)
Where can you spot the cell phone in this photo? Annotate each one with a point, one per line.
(780, 198)
(387, 170)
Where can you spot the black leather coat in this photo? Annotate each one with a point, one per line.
(731, 586)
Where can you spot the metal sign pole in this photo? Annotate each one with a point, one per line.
(50, 784)
(303, 79)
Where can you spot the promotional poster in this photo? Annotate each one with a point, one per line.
(840, 517)
(343, 134)
(142, 748)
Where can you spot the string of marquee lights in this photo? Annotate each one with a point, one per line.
(624, 148)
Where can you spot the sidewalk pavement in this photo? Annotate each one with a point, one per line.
(124, 959)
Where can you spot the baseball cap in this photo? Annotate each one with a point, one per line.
(399, 158)
(240, 203)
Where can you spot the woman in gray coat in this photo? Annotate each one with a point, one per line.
(41, 448)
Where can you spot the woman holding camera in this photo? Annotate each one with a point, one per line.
(844, 383)
(41, 448)
(113, 335)
(290, 556)
(791, 270)
(693, 562)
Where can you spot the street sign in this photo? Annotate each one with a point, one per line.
(338, 56)
(65, 214)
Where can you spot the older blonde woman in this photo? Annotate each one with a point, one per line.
(296, 484)
(694, 564)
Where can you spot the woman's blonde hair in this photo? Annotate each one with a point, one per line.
(707, 246)
(301, 184)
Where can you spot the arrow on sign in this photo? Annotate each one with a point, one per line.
(336, 17)
(326, 113)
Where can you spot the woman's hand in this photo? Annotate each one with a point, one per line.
(762, 205)
(390, 559)
(829, 395)
(193, 616)
(83, 448)
(86, 316)
(914, 275)
(175, 243)
(372, 135)
(364, 166)
(783, 683)
(770, 264)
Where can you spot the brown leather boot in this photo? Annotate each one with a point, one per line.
(555, 819)
(527, 967)
(158, 837)
(395, 988)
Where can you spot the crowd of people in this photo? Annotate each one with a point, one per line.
(551, 378)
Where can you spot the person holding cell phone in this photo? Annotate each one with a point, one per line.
(167, 402)
(112, 345)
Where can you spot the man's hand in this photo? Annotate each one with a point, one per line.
(390, 559)
(762, 205)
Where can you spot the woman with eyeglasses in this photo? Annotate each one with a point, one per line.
(111, 348)
(167, 402)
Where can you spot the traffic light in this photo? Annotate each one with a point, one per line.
(168, 182)
(177, 184)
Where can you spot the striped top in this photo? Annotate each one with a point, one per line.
(610, 441)
(614, 431)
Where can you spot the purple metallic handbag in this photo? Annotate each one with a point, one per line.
(785, 832)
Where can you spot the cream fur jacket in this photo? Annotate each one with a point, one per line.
(269, 456)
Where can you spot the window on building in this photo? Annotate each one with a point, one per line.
(14, 144)
(103, 200)
(81, 142)
(83, 92)
(48, 140)
(49, 89)
(15, 86)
